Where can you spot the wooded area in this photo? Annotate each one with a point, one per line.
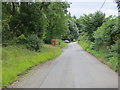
(42, 21)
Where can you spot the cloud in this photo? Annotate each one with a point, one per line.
(110, 12)
(80, 8)
(81, 11)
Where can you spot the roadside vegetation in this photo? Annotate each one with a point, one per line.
(100, 37)
(27, 30)
(62, 44)
(17, 59)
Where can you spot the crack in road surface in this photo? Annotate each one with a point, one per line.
(74, 68)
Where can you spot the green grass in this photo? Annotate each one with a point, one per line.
(17, 59)
(102, 55)
(62, 44)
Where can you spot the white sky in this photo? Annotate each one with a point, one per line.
(80, 7)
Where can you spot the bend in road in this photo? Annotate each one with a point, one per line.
(74, 68)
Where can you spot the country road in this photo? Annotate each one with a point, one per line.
(74, 68)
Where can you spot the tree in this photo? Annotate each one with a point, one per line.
(57, 25)
(45, 20)
(89, 23)
(74, 32)
(107, 34)
(118, 4)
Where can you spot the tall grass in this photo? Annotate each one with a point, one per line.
(102, 54)
(16, 59)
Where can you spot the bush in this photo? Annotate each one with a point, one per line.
(34, 42)
(21, 39)
(113, 63)
(115, 48)
(15, 40)
(83, 37)
(92, 46)
(107, 34)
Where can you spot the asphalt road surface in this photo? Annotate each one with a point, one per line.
(74, 68)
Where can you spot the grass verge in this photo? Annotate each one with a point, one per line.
(102, 55)
(62, 44)
(17, 59)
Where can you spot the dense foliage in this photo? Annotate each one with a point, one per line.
(100, 36)
(26, 26)
(73, 30)
(108, 33)
(89, 23)
(34, 22)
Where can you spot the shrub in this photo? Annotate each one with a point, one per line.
(115, 48)
(21, 39)
(113, 62)
(107, 34)
(92, 46)
(34, 42)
